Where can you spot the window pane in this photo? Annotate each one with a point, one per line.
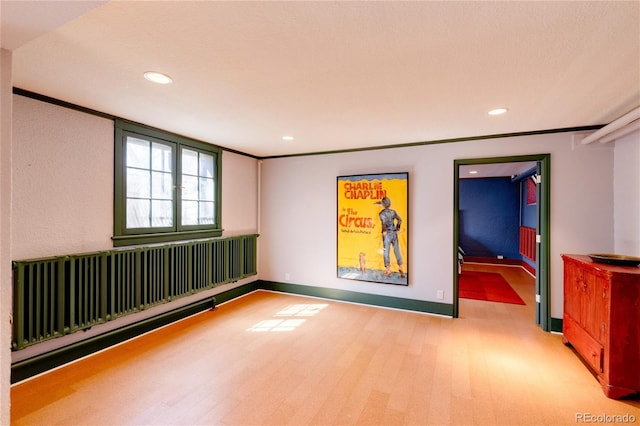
(162, 185)
(162, 213)
(159, 178)
(138, 183)
(189, 162)
(161, 157)
(138, 213)
(189, 188)
(206, 213)
(189, 212)
(206, 165)
(206, 189)
(137, 153)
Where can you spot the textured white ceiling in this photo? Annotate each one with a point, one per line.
(342, 75)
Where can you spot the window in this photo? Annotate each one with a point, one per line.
(167, 187)
(198, 188)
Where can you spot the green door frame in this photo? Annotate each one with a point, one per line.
(543, 309)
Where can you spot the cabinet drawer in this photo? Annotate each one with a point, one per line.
(589, 348)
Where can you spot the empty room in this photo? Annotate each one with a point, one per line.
(331, 212)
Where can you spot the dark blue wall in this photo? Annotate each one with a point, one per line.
(490, 217)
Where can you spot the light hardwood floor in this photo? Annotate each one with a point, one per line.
(277, 359)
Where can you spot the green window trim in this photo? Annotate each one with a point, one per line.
(171, 228)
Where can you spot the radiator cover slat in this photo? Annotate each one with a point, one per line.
(61, 295)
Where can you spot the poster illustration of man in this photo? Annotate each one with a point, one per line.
(391, 226)
(372, 224)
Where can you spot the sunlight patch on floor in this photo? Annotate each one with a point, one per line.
(289, 324)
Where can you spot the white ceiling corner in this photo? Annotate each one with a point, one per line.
(26, 20)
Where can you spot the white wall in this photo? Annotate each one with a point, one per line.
(5, 231)
(298, 220)
(63, 196)
(627, 195)
(239, 194)
(62, 180)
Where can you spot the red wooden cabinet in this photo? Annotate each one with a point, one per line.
(602, 321)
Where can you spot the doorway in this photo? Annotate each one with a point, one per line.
(541, 162)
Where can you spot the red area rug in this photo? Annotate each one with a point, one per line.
(487, 286)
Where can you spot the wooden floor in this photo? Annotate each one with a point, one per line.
(276, 359)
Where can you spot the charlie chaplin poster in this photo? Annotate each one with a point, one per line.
(372, 225)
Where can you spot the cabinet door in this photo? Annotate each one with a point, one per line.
(587, 285)
(573, 291)
(597, 298)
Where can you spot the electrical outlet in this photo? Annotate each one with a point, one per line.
(440, 294)
(500, 256)
(287, 277)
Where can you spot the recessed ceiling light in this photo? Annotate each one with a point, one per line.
(473, 172)
(288, 138)
(498, 111)
(157, 77)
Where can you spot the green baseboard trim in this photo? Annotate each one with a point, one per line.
(236, 292)
(30, 367)
(356, 297)
(556, 325)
